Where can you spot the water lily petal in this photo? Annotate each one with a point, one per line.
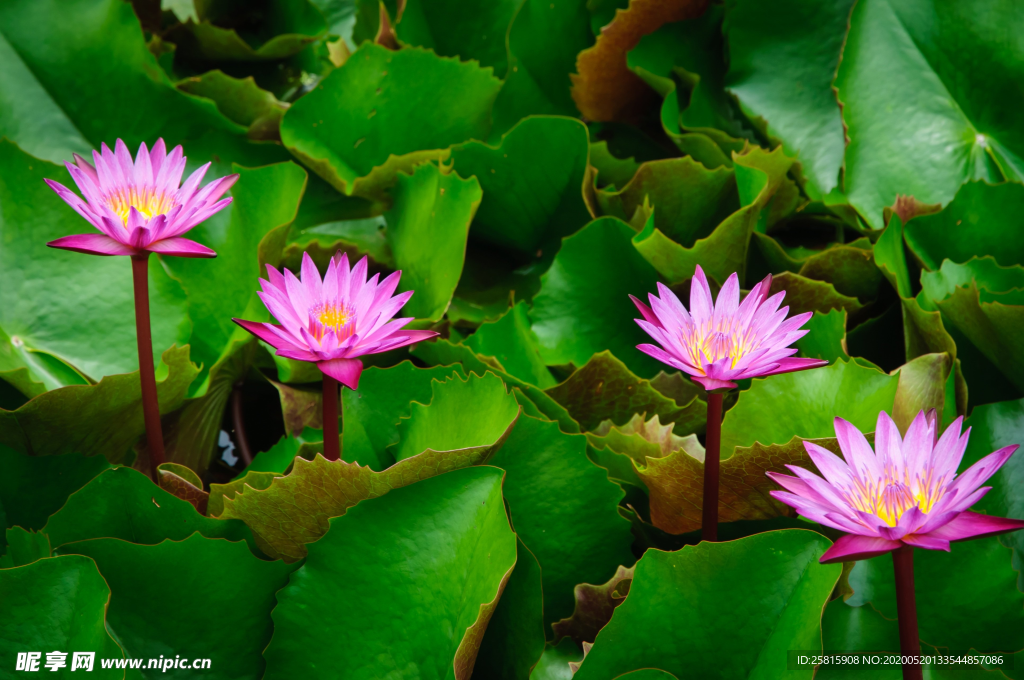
(853, 547)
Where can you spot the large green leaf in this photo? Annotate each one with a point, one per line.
(779, 407)
(604, 389)
(241, 100)
(94, 76)
(994, 426)
(564, 507)
(980, 221)
(442, 550)
(294, 510)
(427, 230)
(532, 183)
(483, 407)
(454, 29)
(104, 419)
(691, 54)
(372, 412)
(983, 302)
(149, 623)
(233, 31)
(442, 352)
(740, 606)
(759, 175)
(689, 200)
(55, 301)
(511, 341)
(921, 52)
(980, 608)
(543, 42)
(34, 487)
(122, 503)
(851, 629)
(782, 60)
(514, 641)
(381, 112)
(582, 307)
(56, 604)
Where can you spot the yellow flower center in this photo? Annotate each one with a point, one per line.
(331, 316)
(148, 202)
(717, 343)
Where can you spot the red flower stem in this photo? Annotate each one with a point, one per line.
(712, 457)
(331, 451)
(906, 610)
(144, 336)
(238, 420)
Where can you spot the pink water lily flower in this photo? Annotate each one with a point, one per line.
(137, 205)
(334, 321)
(905, 492)
(720, 343)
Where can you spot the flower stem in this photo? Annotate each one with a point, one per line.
(144, 336)
(712, 456)
(331, 451)
(238, 420)
(906, 610)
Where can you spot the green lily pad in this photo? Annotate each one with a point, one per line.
(24, 547)
(532, 183)
(484, 408)
(442, 352)
(206, 41)
(898, 50)
(124, 504)
(767, 593)
(779, 407)
(782, 60)
(967, 296)
(805, 294)
(453, 29)
(446, 539)
(994, 426)
(582, 307)
(850, 269)
(511, 341)
(380, 113)
(563, 506)
(724, 251)
(605, 389)
(427, 230)
(862, 628)
(55, 300)
(34, 487)
(514, 641)
(543, 42)
(981, 607)
(554, 663)
(977, 222)
(612, 171)
(75, 85)
(149, 624)
(692, 54)
(689, 200)
(104, 419)
(241, 100)
(56, 604)
(294, 510)
(372, 412)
